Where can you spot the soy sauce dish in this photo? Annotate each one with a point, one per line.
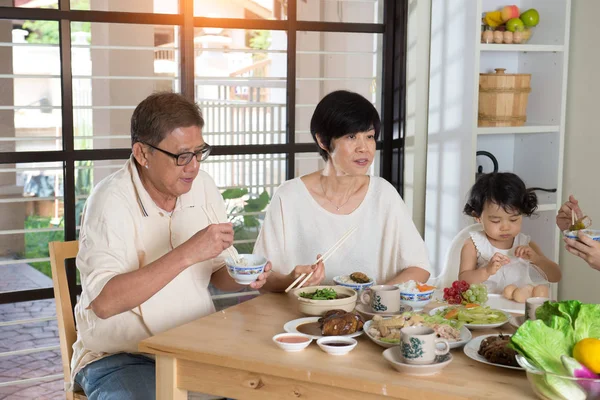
(292, 341)
(337, 345)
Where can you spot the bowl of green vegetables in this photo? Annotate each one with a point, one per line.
(317, 300)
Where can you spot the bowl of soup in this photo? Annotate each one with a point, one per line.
(292, 341)
(317, 300)
(246, 269)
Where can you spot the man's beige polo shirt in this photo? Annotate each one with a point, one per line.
(122, 230)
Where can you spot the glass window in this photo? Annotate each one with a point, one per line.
(29, 3)
(137, 6)
(31, 215)
(30, 97)
(115, 66)
(241, 85)
(362, 11)
(246, 9)
(328, 61)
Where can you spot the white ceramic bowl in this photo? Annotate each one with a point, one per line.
(593, 233)
(292, 346)
(246, 274)
(339, 280)
(416, 300)
(327, 345)
(320, 307)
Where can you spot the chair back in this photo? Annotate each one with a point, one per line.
(452, 263)
(59, 252)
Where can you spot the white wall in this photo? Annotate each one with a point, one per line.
(582, 144)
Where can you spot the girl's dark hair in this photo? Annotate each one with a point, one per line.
(339, 113)
(161, 113)
(505, 189)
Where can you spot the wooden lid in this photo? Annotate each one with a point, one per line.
(501, 72)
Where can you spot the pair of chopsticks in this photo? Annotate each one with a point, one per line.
(572, 217)
(323, 258)
(215, 220)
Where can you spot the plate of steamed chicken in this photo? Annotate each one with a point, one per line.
(386, 331)
(332, 323)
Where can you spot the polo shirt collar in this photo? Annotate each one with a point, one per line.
(147, 205)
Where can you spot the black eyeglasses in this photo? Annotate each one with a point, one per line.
(185, 158)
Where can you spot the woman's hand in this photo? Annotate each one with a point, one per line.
(526, 253)
(318, 273)
(497, 261)
(563, 218)
(208, 243)
(585, 248)
(262, 278)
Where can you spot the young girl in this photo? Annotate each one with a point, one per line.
(499, 254)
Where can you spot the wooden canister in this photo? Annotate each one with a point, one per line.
(503, 98)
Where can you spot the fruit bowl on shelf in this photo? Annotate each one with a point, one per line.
(507, 26)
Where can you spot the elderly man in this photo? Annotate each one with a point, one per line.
(146, 250)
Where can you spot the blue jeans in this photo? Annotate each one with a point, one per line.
(120, 376)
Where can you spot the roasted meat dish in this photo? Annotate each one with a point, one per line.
(340, 322)
(495, 350)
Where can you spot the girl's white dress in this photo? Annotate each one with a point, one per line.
(519, 272)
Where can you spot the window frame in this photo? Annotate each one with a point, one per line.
(391, 142)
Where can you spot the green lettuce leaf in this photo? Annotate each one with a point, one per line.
(544, 344)
(587, 324)
(566, 309)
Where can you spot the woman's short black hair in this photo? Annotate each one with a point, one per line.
(340, 113)
(505, 189)
(160, 114)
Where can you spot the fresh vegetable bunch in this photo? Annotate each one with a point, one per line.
(462, 293)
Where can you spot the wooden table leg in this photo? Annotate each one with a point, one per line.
(166, 379)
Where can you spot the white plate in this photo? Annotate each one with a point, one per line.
(516, 321)
(365, 310)
(465, 336)
(472, 348)
(475, 326)
(291, 326)
(499, 302)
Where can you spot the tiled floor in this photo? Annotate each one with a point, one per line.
(17, 337)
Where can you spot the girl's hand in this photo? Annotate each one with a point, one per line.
(586, 248)
(317, 277)
(526, 253)
(563, 218)
(498, 261)
(262, 278)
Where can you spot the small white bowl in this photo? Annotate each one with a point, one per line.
(340, 280)
(327, 345)
(246, 274)
(416, 300)
(292, 346)
(593, 233)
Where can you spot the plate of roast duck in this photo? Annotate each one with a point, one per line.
(332, 323)
(492, 350)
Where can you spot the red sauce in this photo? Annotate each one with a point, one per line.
(337, 344)
(292, 339)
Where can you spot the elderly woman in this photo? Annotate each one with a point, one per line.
(146, 250)
(307, 215)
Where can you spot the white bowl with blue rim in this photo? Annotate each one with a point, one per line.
(593, 233)
(343, 280)
(416, 300)
(247, 269)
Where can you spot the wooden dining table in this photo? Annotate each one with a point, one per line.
(231, 353)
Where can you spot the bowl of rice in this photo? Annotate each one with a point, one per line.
(347, 281)
(592, 233)
(415, 294)
(246, 268)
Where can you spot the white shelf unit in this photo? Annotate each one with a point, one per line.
(533, 151)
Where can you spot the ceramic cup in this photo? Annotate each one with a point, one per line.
(419, 345)
(382, 298)
(531, 305)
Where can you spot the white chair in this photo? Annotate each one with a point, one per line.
(452, 263)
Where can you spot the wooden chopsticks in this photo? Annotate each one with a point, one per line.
(323, 258)
(215, 220)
